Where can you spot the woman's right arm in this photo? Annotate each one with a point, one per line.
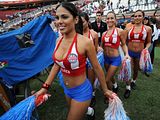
(55, 69)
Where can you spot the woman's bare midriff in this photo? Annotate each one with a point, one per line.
(135, 46)
(111, 52)
(73, 81)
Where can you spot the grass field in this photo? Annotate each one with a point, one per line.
(143, 104)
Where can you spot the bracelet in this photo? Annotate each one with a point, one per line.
(45, 86)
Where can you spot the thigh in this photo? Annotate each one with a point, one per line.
(136, 63)
(111, 71)
(106, 67)
(68, 99)
(109, 75)
(77, 110)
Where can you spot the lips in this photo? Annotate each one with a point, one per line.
(61, 27)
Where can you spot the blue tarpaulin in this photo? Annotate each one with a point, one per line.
(22, 111)
(23, 63)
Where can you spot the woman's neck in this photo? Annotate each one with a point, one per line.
(138, 24)
(86, 30)
(69, 36)
(111, 27)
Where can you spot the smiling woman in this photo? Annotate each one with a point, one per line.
(69, 56)
(139, 38)
(112, 39)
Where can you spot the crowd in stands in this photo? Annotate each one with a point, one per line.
(19, 19)
(117, 5)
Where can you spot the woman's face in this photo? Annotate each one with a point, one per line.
(145, 21)
(138, 17)
(85, 23)
(157, 15)
(64, 20)
(111, 20)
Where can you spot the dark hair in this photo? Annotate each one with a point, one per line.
(154, 14)
(73, 10)
(147, 18)
(98, 12)
(141, 12)
(86, 17)
(112, 13)
(132, 15)
(153, 20)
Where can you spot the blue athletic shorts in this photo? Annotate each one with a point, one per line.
(115, 61)
(134, 54)
(79, 93)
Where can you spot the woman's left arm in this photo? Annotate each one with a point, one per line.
(95, 37)
(123, 37)
(149, 36)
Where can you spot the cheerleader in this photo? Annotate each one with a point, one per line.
(138, 36)
(111, 40)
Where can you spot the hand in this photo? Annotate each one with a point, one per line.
(127, 57)
(146, 48)
(42, 91)
(109, 94)
(100, 49)
(41, 99)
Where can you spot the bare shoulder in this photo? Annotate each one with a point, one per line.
(84, 43)
(128, 28)
(104, 33)
(94, 33)
(148, 28)
(83, 39)
(119, 30)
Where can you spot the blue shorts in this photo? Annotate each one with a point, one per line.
(134, 54)
(79, 93)
(100, 58)
(115, 61)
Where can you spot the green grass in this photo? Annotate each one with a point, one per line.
(143, 103)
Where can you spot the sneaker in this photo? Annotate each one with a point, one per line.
(115, 90)
(127, 93)
(91, 117)
(93, 101)
(133, 85)
(147, 74)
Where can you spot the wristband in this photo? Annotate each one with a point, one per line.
(45, 86)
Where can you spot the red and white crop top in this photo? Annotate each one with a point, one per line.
(137, 37)
(74, 63)
(113, 40)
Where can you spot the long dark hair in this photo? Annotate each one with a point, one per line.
(73, 10)
(86, 17)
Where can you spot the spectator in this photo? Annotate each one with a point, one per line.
(99, 26)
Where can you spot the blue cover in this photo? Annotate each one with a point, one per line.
(24, 63)
(22, 111)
